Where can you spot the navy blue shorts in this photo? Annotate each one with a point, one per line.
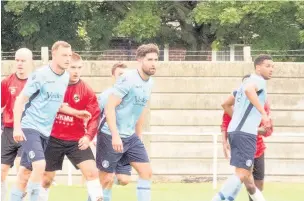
(33, 147)
(108, 160)
(243, 148)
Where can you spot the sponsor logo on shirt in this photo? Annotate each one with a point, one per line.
(140, 100)
(64, 119)
(54, 96)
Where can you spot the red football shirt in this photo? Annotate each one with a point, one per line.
(260, 142)
(80, 97)
(11, 87)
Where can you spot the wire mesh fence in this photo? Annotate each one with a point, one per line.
(178, 55)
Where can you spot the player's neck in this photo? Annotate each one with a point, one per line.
(143, 75)
(22, 76)
(73, 82)
(56, 69)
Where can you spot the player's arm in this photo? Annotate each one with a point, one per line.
(261, 129)
(251, 93)
(110, 114)
(140, 123)
(32, 86)
(224, 127)
(82, 114)
(120, 90)
(92, 125)
(227, 105)
(93, 109)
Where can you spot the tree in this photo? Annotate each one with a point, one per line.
(192, 24)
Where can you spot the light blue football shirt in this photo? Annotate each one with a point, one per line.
(46, 91)
(246, 118)
(135, 93)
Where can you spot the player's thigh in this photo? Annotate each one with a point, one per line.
(138, 158)
(33, 150)
(54, 155)
(106, 157)
(243, 148)
(9, 148)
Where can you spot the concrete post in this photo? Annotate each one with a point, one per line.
(44, 55)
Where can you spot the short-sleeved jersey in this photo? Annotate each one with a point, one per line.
(246, 118)
(11, 87)
(45, 90)
(135, 93)
(80, 97)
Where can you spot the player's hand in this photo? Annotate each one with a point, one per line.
(226, 149)
(83, 114)
(266, 121)
(117, 143)
(18, 135)
(84, 143)
(261, 130)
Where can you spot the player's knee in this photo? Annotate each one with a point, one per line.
(24, 176)
(47, 181)
(106, 179)
(91, 174)
(4, 172)
(125, 180)
(146, 174)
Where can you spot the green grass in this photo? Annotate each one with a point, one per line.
(179, 192)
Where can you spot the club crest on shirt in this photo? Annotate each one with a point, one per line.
(76, 98)
(12, 90)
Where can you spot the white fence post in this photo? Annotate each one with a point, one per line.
(247, 54)
(44, 55)
(213, 55)
(232, 52)
(166, 52)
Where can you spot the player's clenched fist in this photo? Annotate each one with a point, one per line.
(18, 135)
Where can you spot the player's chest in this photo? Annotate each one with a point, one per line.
(141, 94)
(53, 90)
(14, 89)
(75, 99)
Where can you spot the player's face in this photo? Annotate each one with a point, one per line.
(62, 57)
(75, 71)
(149, 63)
(23, 63)
(266, 69)
(118, 72)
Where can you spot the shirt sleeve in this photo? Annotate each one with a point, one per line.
(225, 122)
(260, 84)
(32, 85)
(93, 108)
(3, 93)
(122, 86)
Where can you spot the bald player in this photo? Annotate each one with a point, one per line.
(11, 86)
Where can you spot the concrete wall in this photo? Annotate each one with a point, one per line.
(187, 97)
